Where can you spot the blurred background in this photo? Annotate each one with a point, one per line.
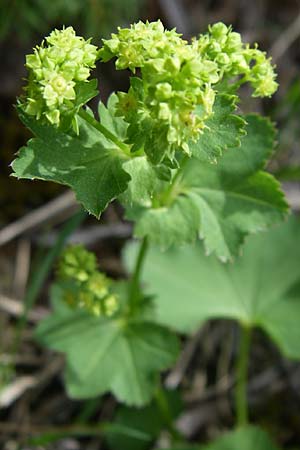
(32, 213)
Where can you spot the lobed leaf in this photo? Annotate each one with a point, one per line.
(108, 118)
(220, 203)
(108, 354)
(262, 289)
(245, 438)
(88, 163)
(137, 428)
(223, 130)
(143, 184)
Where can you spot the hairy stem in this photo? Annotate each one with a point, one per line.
(241, 402)
(134, 288)
(108, 134)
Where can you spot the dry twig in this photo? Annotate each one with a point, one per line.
(286, 39)
(16, 308)
(22, 267)
(64, 205)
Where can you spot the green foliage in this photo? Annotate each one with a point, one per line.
(221, 203)
(118, 355)
(185, 166)
(110, 120)
(245, 438)
(223, 130)
(140, 427)
(88, 163)
(261, 289)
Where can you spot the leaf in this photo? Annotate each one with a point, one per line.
(85, 91)
(88, 163)
(262, 289)
(223, 130)
(222, 203)
(245, 438)
(108, 117)
(108, 354)
(143, 184)
(137, 428)
(167, 226)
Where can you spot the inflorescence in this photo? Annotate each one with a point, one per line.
(84, 286)
(55, 70)
(177, 76)
(172, 77)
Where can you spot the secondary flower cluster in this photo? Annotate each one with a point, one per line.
(174, 81)
(55, 69)
(84, 286)
(225, 47)
(176, 77)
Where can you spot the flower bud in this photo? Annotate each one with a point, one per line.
(218, 30)
(164, 112)
(163, 91)
(85, 287)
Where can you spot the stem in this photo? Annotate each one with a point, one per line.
(98, 126)
(168, 195)
(134, 288)
(238, 83)
(241, 402)
(164, 407)
(179, 170)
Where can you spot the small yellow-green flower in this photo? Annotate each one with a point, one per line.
(77, 263)
(85, 287)
(55, 70)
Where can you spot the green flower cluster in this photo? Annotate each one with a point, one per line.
(84, 286)
(141, 43)
(175, 80)
(55, 70)
(225, 47)
(176, 77)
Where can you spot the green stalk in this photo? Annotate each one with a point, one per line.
(108, 134)
(241, 401)
(134, 288)
(164, 408)
(172, 191)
